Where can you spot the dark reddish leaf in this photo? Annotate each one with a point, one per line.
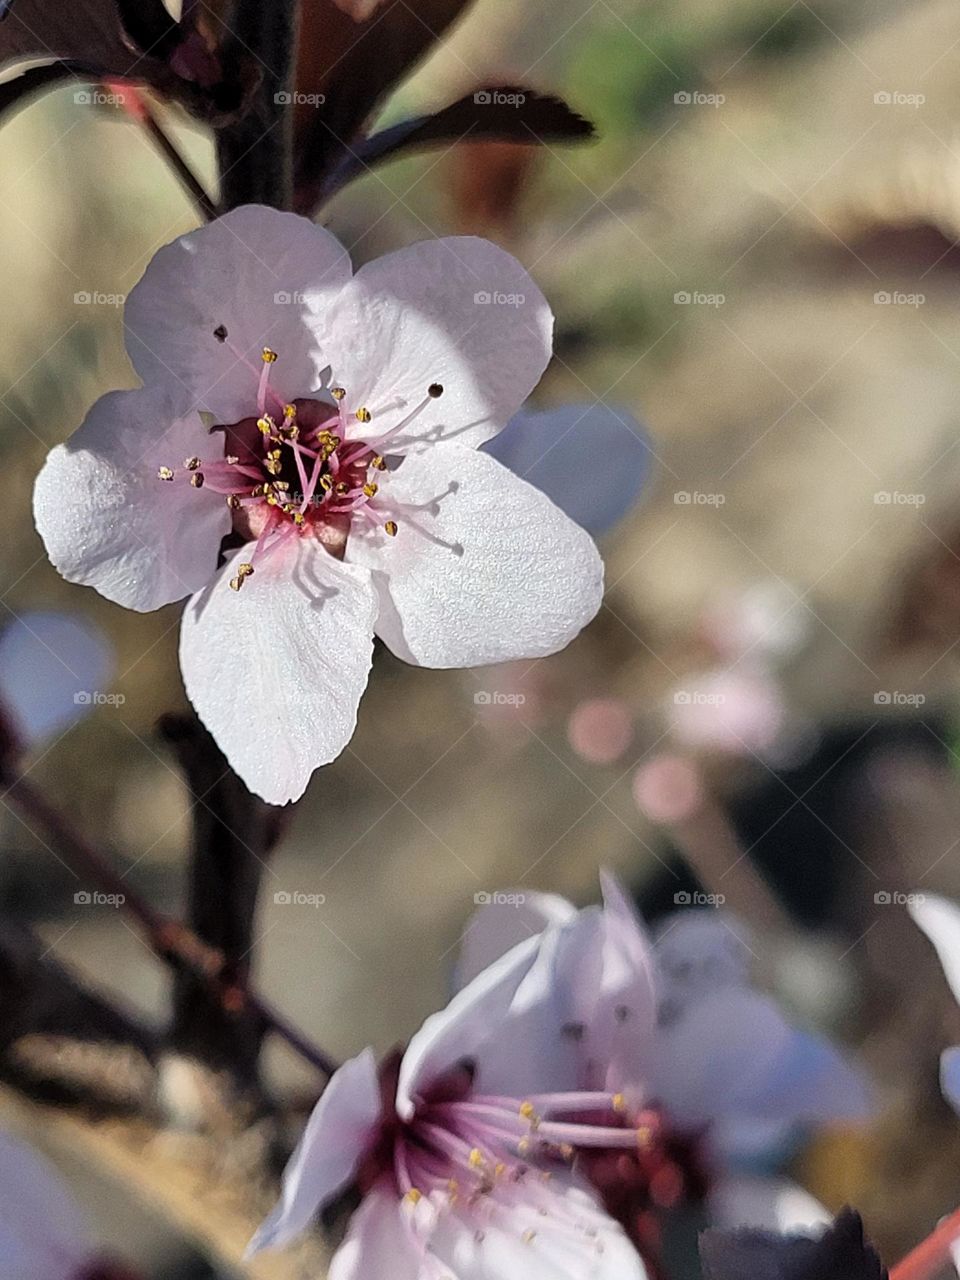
(354, 65)
(504, 113)
(841, 1253)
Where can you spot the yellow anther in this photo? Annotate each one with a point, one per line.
(289, 410)
(364, 414)
(266, 424)
(233, 501)
(326, 482)
(269, 356)
(341, 487)
(523, 1146)
(337, 392)
(476, 1158)
(370, 490)
(165, 473)
(378, 463)
(298, 517)
(499, 1169)
(527, 1110)
(231, 459)
(197, 479)
(191, 464)
(644, 1136)
(243, 572)
(414, 1196)
(391, 528)
(618, 1102)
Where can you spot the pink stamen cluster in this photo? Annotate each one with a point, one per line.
(493, 1157)
(305, 443)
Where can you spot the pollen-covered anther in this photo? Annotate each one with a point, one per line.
(192, 464)
(435, 390)
(341, 487)
(165, 473)
(197, 479)
(268, 355)
(391, 528)
(476, 1158)
(370, 490)
(363, 414)
(243, 572)
(289, 411)
(338, 392)
(527, 1110)
(266, 424)
(618, 1102)
(414, 1196)
(378, 463)
(233, 501)
(326, 483)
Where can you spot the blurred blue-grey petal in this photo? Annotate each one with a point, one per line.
(591, 460)
(53, 668)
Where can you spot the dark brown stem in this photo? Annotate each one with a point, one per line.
(191, 183)
(172, 942)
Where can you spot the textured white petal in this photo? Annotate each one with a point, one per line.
(472, 1019)
(771, 1204)
(501, 922)
(51, 666)
(484, 568)
(378, 1243)
(940, 921)
(412, 319)
(276, 670)
(43, 1235)
(590, 459)
(248, 271)
(337, 1135)
(109, 522)
(562, 1234)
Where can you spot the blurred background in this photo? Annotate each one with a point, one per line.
(757, 259)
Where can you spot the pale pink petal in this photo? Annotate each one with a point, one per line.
(416, 318)
(940, 921)
(338, 1133)
(590, 459)
(379, 1243)
(600, 730)
(562, 1234)
(249, 272)
(484, 568)
(501, 921)
(109, 522)
(771, 1204)
(43, 1235)
(473, 1019)
(276, 670)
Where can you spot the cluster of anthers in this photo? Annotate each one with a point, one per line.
(492, 1156)
(296, 467)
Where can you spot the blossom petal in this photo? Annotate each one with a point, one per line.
(378, 1242)
(503, 921)
(940, 921)
(412, 319)
(276, 671)
(735, 1054)
(483, 569)
(51, 665)
(43, 1235)
(338, 1133)
(560, 1234)
(950, 1076)
(775, 1204)
(109, 522)
(468, 1022)
(590, 459)
(249, 272)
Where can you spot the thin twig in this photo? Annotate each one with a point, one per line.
(172, 942)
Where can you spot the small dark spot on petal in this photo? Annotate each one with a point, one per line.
(220, 333)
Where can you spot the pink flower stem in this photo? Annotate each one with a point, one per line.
(170, 940)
